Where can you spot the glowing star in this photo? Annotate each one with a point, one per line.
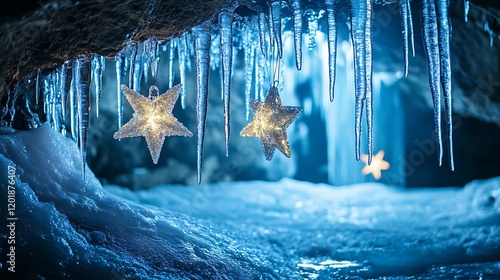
(378, 164)
(270, 122)
(152, 118)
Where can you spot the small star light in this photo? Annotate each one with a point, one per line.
(378, 164)
(270, 123)
(152, 118)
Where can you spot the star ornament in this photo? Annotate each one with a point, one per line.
(270, 122)
(152, 118)
(378, 164)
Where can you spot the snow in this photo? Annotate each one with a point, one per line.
(74, 229)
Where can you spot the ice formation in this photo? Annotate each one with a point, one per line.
(69, 227)
(261, 37)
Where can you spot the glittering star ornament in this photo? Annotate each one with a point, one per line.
(152, 118)
(270, 121)
(378, 164)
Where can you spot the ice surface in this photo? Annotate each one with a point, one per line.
(72, 229)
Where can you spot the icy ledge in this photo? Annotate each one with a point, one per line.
(70, 229)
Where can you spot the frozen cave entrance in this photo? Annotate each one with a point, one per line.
(76, 203)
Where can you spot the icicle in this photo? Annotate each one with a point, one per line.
(202, 41)
(369, 76)
(407, 30)
(83, 99)
(259, 92)
(466, 10)
(297, 31)
(444, 32)
(147, 59)
(97, 70)
(226, 44)
(249, 50)
(262, 32)
(63, 77)
(332, 44)
(256, 85)
(403, 6)
(183, 56)
(137, 66)
(171, 56)
(72, 103)
(275, 27)
(37, 85)
(119, 74)
(55, 100)
(431, 46)
(359, 14)
(131, 64)
(155, 61)
(488, 29)
(312, 25)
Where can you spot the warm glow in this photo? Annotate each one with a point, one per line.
(271, 120)
(375, 168)
(152, 119)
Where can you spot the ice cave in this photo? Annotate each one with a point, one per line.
(250, 139)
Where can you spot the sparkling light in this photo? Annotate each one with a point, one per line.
(270, 122)
(152, 118)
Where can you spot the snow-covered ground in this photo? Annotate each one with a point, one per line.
(68, 228)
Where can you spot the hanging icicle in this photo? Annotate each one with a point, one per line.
(202, 41)
(407, 31)
(262, 22)
(83, 99)
(312, 26)
(183, 54)
(63, 78)
(332, 44)
(297, 32)
(137, 67)
(275, 26)
(131, 61)
(171, 57)
(444, 33)
(359, 17)
(226, 44)
(119, 98)
(38, 86)
(431, 46)
(97, 64)
(466, 10)
(249, 50)
(73, 104)
(155, 61)
(369, 76)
